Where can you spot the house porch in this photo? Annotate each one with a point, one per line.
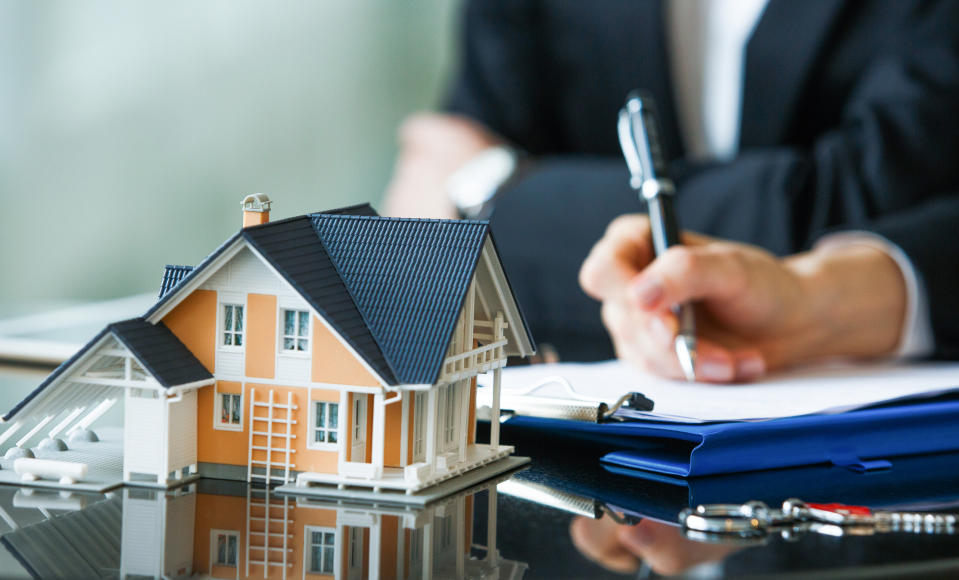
(414, 477)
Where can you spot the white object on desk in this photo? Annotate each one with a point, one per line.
(67, 472)
(831, 388)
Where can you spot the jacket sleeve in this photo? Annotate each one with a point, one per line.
(928, 233)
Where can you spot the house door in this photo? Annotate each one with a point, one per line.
(358, 447)
(354, 568)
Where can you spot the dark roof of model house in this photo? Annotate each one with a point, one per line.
(172, 276)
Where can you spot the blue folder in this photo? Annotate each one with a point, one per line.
(863, 439)
(917, 482)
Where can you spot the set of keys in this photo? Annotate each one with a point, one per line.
(755, 522)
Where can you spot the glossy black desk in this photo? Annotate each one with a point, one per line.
(229, 530)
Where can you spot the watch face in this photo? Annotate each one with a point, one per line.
(476, 182)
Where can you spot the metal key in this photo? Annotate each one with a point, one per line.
(756, 521)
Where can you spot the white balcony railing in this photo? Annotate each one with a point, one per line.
(475, 361)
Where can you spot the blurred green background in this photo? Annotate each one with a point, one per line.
(130, 131)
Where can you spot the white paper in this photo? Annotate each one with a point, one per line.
(831, 388)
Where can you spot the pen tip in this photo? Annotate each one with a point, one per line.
(686, 353)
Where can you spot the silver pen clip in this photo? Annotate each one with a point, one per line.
(627, 141)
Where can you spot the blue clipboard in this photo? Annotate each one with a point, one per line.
(863, 439)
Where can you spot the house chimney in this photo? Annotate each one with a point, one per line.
(256, 209)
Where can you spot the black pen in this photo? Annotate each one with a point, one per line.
(639, 137)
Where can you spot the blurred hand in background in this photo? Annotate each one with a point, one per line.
(432, 147)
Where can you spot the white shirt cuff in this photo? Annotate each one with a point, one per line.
(917, 339)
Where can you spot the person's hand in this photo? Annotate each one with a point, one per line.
(754, 312)
(432, 147)
(621, 548)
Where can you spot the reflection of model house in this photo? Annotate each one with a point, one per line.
(321, 538)
(336, 348)
(228, 530)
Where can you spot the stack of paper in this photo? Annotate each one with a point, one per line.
(822, 389)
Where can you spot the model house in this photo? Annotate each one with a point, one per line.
(333, 349)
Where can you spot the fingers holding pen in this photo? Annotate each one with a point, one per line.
(623, 251)
(647, 340)
(689, 273)
(716, 360)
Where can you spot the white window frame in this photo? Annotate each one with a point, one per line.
(218, 410)
(213, 547)
(324, 446)
(230, 299)
(308, 549)
(282, 309)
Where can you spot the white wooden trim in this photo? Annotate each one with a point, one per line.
(379, 430)
(93, 415)
(341, 451)
(11, 430)
(66, 421)
(188, 386)
(150, 383)
(494, 416)
(304, 384)
(165, 438)
(181, 291)
(43, 423)
(491, 554)
(463, 438)
(428, 549)
(376, 531)
(501, 287)
(459, 524)
(430, 451)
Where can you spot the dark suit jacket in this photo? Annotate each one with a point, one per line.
(850, 120)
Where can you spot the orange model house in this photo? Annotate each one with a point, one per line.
(335, 349)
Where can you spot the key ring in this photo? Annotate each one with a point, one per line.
(749, 518)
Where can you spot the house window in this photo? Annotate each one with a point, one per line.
(232, 325)
(325, 422)
(231, 405)
(225, 547)
(321, 547)
(296, 331)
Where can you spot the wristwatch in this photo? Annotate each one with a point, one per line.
(473, 187)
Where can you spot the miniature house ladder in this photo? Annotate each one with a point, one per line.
(273, 423)
(268, 535)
